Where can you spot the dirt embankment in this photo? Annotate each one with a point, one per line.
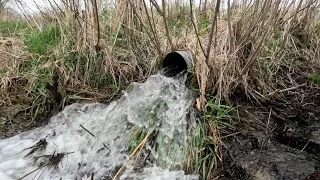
(15, 102)
(278, 138)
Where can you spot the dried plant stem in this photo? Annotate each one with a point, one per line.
(154, 38)
(142, 143)
(165, 20)
(213, 25)
(230, 32)
(195, 27)
(96, 18)
(29, 173)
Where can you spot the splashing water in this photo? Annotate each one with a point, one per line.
(94, 139)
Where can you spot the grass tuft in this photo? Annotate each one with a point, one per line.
(315, 78)
(13, 28)
(42, 41)
(206, 146)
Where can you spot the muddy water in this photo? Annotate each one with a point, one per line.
(95, 140)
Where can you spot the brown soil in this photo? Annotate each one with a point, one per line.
(278, 139)
(15, 103)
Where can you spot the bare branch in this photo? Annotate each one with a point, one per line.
(3, 4)
(204, 11)
(96, 18)
(165, 21)
(213, 25)
(143, 26)
(230, 32)
(156, 5)
(299, 10)
(195, 28)
(151, 26)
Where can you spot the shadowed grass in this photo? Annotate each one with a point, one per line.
(315, 78)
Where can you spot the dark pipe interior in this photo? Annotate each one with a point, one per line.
(173, 64)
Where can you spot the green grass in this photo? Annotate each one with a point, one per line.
(191, 81)
(39, 46)
(137, 138)
(316, 78)
(206, 144)
(38, 91)
(41, 42)
(13, 28)
(178, 21)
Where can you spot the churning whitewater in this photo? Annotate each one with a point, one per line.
(94, 140)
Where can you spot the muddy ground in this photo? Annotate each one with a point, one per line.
(279, 138)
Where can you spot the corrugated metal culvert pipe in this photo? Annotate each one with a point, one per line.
(176, 62)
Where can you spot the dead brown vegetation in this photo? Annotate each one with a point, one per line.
(261, 49)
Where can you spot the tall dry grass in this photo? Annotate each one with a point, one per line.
(235, 45)
(229, 41)
(257, 48)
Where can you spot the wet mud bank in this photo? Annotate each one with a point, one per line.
(278, 138)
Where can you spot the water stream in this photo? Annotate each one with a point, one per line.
(86, 140)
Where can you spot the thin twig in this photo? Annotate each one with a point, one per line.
(304, 146)
(152, 29)
(287, 89)
(230, 32)
(205, 10)
(66, 120)
(144, 27)
(195, 28)
(268, 120)
(155, 4)
(135, 161)
(87, 131)
(165, 20)
(29, 173)
(142, 143)
(294, 15)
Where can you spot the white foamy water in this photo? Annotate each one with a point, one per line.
(159, 105)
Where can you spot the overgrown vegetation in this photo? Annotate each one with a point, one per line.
(42, 42)
(92, 55)
(206, 146)
(12, 28)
